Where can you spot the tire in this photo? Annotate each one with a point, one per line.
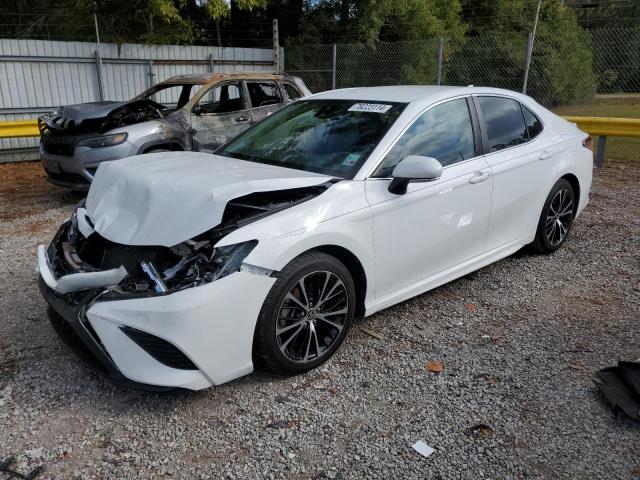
(556, 218)
(296, 334)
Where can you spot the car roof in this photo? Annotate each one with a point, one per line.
(206, 78)
(423, 94)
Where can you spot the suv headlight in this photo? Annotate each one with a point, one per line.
(103, 141)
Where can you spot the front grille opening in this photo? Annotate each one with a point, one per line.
(68, 177)
(163, 351)
(59, 147)
(71, 338)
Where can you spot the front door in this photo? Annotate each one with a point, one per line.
(435, 225)
(220, 114)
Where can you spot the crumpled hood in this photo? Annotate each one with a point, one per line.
(85, 111)
(169, 197)
(72, 116)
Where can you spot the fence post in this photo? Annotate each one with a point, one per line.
(276, 46)
(210, 62)
(99, 75)
(334, 67)
(527, 63)
(150, 73)
(98, 58)
(439, 70)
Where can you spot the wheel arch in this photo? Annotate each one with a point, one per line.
(575, 184)
(353, 264)
(174, 145)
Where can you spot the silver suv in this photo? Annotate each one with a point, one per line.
(187, 112)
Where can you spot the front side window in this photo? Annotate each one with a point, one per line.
(333, 137)
(504, 122)
(443, 132)
(533, 124)
(263, 94)
(221, 99)
(170, 96)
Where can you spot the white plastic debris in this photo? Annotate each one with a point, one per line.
(34, 454)
(422, 448)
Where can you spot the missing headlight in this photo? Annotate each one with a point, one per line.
(199, 263)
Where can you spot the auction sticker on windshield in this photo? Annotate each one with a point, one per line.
(370, 107)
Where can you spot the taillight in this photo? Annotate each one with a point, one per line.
(588, 143)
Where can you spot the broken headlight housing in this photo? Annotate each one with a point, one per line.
(103, 140)
(194, 264)
(151, 269)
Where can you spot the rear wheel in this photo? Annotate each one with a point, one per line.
(556, 218)
(306, 315)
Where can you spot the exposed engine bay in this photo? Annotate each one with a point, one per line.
(157, 269)
(100, 117)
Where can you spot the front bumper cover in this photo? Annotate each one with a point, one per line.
(212, 325)
(69, 322)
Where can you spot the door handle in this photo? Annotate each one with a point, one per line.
(546, 154)
(480, 177)
(242, 118)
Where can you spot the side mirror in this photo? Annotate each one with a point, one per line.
(414, 168)
(197, 110)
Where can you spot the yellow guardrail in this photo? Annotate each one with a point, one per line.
(602, 127)
(608, 126)
(596, 126)
(19, 128)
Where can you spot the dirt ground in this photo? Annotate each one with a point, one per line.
(519, 341)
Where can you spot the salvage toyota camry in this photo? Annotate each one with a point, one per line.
(187, 269)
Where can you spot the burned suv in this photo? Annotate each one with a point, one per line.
(187, 112)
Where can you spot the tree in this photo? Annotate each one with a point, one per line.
(494, 51)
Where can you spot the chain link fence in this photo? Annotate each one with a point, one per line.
(602, 62)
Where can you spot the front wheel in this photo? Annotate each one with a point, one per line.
(306, 315)
(556, 218)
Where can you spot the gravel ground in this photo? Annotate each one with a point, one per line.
(519, 341)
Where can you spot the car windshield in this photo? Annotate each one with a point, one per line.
(170, 96)
(333, 137)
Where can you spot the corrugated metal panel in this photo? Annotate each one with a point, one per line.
(37, 76)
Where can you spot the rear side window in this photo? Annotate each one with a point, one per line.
(504, 122)
(292, 92)
(263, 94)
(443, 132)
(533, 124)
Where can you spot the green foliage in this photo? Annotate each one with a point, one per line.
(561, 67)
(222, 8)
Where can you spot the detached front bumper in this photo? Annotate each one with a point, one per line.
(210, 327)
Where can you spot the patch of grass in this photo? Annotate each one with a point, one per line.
(625, 149)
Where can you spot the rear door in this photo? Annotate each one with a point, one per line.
(523, 163)
(220, 114)
(265, 98)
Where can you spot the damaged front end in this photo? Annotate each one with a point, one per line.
(98, 117)
(80, 258)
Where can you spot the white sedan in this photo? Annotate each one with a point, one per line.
(187, 269)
